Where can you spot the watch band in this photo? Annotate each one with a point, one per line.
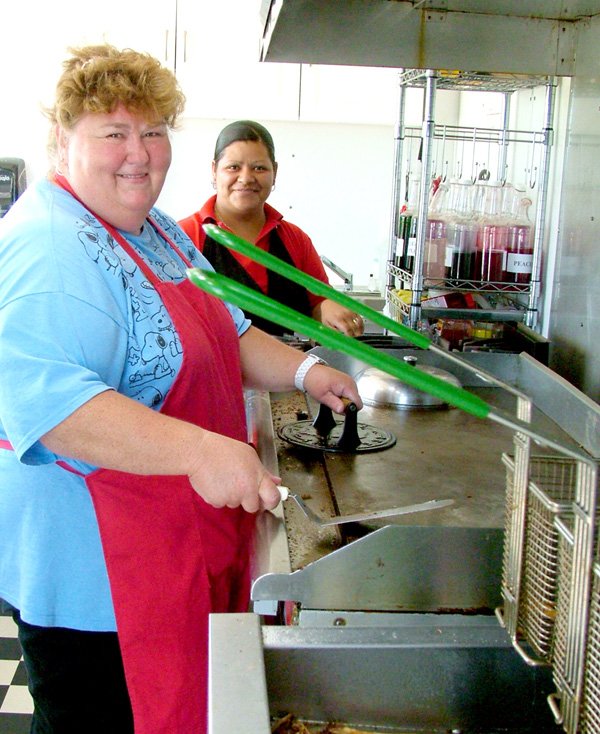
(310, 360)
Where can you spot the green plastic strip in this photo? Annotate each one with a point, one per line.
(240, 295)
(233, 242)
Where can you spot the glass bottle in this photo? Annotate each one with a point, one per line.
(434, 256)
(492, 235)
(519, 255)
(407, 227)
(461, 233)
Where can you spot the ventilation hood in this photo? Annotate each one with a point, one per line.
(489, 36)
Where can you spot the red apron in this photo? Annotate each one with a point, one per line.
(172, 558)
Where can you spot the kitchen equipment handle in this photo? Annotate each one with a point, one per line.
(284, 492)
(554, 703)
(534, 662)
(324, 423)
(349, 439)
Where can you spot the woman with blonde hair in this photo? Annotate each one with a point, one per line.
(129, 491)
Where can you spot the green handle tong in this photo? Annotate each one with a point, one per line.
(250, 300)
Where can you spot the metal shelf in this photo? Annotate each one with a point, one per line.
(401, 312)
(473, 81)
(451, 133)
(455, 284)
(429, 133)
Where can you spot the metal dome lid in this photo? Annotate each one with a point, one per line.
(380, 389)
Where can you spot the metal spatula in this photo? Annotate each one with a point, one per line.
(361, 516)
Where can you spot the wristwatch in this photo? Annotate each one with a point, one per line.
(309, 362)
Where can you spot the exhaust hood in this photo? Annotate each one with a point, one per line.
(489, 36)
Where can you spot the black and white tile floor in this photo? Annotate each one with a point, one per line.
(16, 705)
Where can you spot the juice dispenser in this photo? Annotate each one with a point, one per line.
(12, 182)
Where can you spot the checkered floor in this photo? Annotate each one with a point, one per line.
(16, 706)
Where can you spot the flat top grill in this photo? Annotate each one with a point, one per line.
(439, 454)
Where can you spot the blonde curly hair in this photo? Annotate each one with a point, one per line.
(98, 78)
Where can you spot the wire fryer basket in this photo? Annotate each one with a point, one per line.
(576, 637)
(550, 491)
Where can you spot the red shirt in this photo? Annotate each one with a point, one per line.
(297, 243)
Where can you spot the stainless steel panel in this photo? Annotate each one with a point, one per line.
(528, 38)
(234, 638)
(440, 569)
(575, 306)
(425, 674)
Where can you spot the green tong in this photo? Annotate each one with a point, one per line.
(250, 300)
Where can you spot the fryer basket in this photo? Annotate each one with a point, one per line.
(550, 492)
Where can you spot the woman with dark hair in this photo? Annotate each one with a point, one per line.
(244, 169)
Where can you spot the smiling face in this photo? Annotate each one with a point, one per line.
(116, 164)
(244, 177)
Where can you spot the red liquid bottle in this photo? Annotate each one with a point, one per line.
(461, 234)
(460, 250)
(491, 252)
(492, 235)
(434, 257)
(519, 254)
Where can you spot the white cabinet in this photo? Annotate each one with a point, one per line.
(217, 64)
(143, 25)
(213, 48)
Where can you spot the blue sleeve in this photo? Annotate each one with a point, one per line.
(57, 353)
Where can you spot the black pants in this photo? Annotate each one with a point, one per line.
(76, 680)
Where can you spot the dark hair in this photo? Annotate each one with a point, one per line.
(244, 130)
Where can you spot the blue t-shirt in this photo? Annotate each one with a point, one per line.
(77, 317)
